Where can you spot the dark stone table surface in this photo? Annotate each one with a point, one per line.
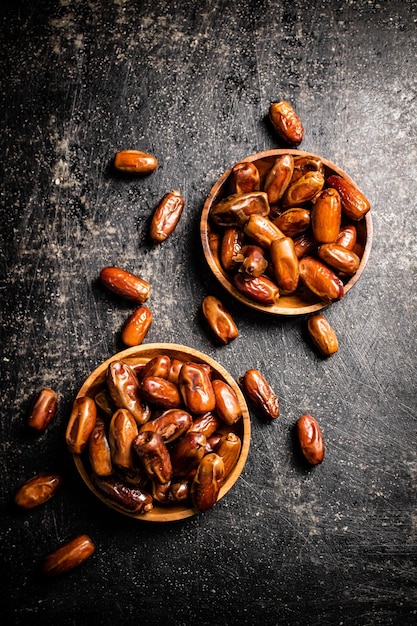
(191, 82)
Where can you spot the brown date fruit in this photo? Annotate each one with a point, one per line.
(322, 334)
(260, 289)
(134, 162)
(258, 390)
(196, 388)
(236, 209)
(104, 403)
(354, 204)
(219, 320)
(179, 490)
(339, 258)
(136, 326)
(206, 484)
(187, 453)
(326, 216)
(285, 264)
(99, 452)
(347, 237)
(231, 244)
(43, 409)
(228, 449)
(310, 439)
(305, 245)
(293, 222)
(80, 424)
(320, 279)
(158, 365)
(166, 216)
(306, 163)
(131, 499)
(124, 389)
(68, 556)
(278, 178)
(286, 122)
(244, 178)
(262, 231)
(253, 262)
(207, 423)
(227, 403)
(174, 370)
(125, 284)
(160, 392)
(37, 490)
(154, 455)
(303, 190)
(171, 425)
(122, 431)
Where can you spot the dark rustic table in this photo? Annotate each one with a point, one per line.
(191, 83)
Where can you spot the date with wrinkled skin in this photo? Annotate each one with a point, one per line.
(43, 409)
(131, 499)
(124, 389)
(134, 162)
(180, 490)
(174, 370)
(122, 431)
(279, 177)
(244, 178)
(303, 189)
(227, 404)
(339, 258)
(207, 482)
(320, 279)
(187, 453)
(354, 204)
(262, 231)
(160, 392)
(253, 262)
(104, 403)
(306, 163)
(231, 245)
(37, 490)
(154, 455)
(236, 209)
(159, 365)
(99, 452)
(80, 424)
(228, 449)
(285, 264)
(310, 439)
(171, 425)
(305, 245)
(207, 423)
(68, 556)
(326, 215)
(322, 334)
(258, 390)
(196, 388)
(125, 284)
(167, 215)
(286, 122)
(219, 320)
(347, 237)
(293, 222)
(136, 326)
(260, 289)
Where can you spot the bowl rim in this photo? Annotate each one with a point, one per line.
(169, 513)
(220, 275)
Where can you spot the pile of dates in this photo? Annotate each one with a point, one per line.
(291, 228)
(160, 431)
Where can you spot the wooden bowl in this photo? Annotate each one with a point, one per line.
(141, 355)
(302, 301)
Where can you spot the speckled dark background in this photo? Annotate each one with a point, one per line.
(191, 82)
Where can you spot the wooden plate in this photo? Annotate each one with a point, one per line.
(140, 355)
(302, 301)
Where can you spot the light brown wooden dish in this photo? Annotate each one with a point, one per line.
(141, 354)
(302, 302)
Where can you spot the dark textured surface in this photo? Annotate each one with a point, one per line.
(192, 83)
